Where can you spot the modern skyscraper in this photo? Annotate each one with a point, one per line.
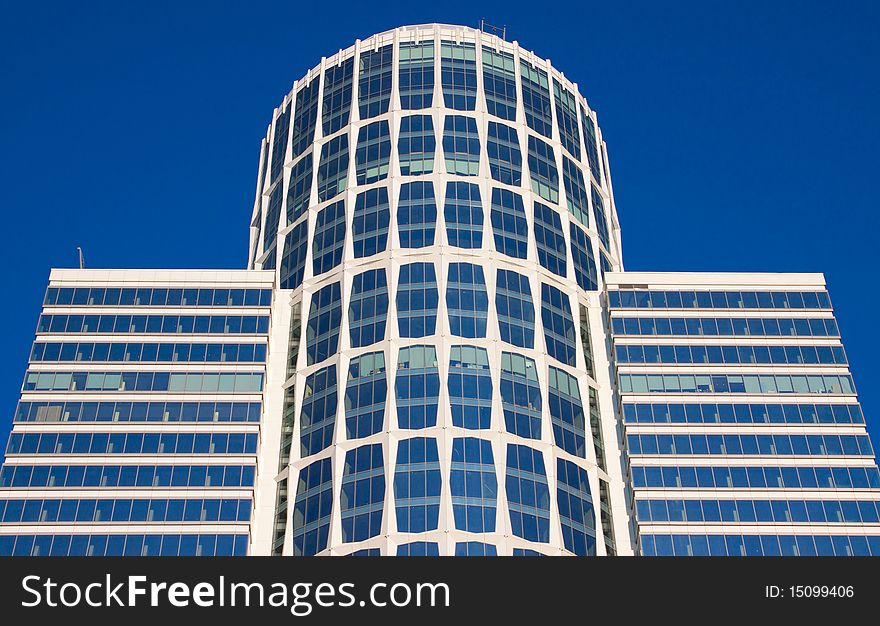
(435, 351)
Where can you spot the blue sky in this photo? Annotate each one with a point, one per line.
(742, 137)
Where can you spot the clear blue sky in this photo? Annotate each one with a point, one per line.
(742, 136)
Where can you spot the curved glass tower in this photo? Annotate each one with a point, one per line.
(437, 206)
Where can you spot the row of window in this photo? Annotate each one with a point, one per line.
(164, 412)
(459, 86)
(662, 413)
(146, 510)
(156, 296)
(155, 324)
(110, 476)
(729, 383)
(208, 544)
(726, 326)
(467, 302)
(755, 477)
(750, 445)
(417, 391)
(132, 443)
(763, 511)
(759, 545)
(641, 299)
(730, 355)
(180, 382)
(137, 352)
(417, 486)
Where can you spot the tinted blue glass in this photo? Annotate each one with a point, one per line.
(416, 215)
(365, 393)
(318, 415)
(370, 223)
(550, 239)
(509, 223)
(575, 508)
(470, 387)
(329, 240)
(505, 155)
(528, 496)
(363, 493)
(520, 395)
(312, 508)
(467, 300)
(417, 485)
(417, 299)
(417, 387)
(305, 116)
(325, 317)
(368, 308)
(559, 331)
(584, 261)
(516, 313)
(473, 485)
(374, 81)
(336, 109)
(463, 212)
(416, 74)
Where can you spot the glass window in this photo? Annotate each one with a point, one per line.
(373, 152)
(419, 548)
(374, 81)
(333, 169)
(318, 414)
(336, 108)
(516, 313)
(416, 215)
(575, 191)
(416, 145)
(305, 116)
(584, 261)
(417, 485)
(325, 317)
(312, 508)
(470, 387)
(273, 217)
(417, 299)
(550, 240)
(416, 74)
(509, 223)
(293, 263)
(591, 143)
(542, 170)
(473, 485)
(370, 223)
(363, 493)
(365, 393)
(461, 145)
(567, 413)
(505, 156)
(458, 71)
(536, 99)
(566, 119)
(463, 213)
(499, 83)
(368, 308)
(279, 144)
(528, 496)
(520, 395)
(417, 387)
(299, 189)
(467, 300)
(575, 508)
(601, 221)
(475, 548)
(559, 332)
(329, 241)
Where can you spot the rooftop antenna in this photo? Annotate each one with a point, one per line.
(82, 259)
(498, 31)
